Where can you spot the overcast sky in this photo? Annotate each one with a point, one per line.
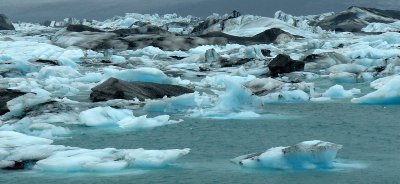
(40, 10)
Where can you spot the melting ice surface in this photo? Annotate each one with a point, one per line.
(305, 155)
(19, 150)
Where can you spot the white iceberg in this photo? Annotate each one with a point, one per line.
(123, 118)
(306, 155)
(20, 151)
(388, 92)
(338, 91)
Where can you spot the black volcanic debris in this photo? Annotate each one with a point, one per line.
(5, 23)
(7, 95)
(284, 64)
(118, 89)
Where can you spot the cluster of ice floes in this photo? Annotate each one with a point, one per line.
(20, 151)
(17, 54)
(305, 155)
(130, 19)
(126, 72)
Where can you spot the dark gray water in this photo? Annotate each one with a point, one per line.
(370, 136)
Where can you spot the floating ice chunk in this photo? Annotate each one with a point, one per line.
(218, 81)
(18, 105)
(305, 155)
(140, 74)
(236, 97)
(388, 92)
(11, 139)
(338, 91)
(350, 68)
(117, 59)
(110, 159)
(143, 122)
(58, 71)
(183, 103)
(103, 116)
(16, 147)
(294, 96)
(124, 118)
(263, 85)
(44, 130)
(210, 114)
(343, 77)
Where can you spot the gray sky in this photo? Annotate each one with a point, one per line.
(40, 10)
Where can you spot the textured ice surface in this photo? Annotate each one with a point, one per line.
(388, 92)
(305, 155)
(337, 92)
(17, 147)
(123, 118)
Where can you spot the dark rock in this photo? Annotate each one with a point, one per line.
(21, 165)
(5, 23)
(266, 52)
(312, 57)
(7, 95)
(118, 89)
(82, 28)
(105, 61)
(234, 14)
(46, 61)
(177, 57)
(284, 64)
(171, 42)
(141, 24)
(266, 37)
(147, 29)
(204, 68)
(379, 69)
(233, 62)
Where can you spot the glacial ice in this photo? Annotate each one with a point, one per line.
(382, 27)
(20, 52)
(123, 118)
(140, 75)
(337, 92)
(18, 105)
(305, 155)
(388, 92)
(38, 129)
(44, 156)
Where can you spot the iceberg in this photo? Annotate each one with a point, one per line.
(305, 155)
(20, 151)
(337, 92)
(388, 92)
(123, 118)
